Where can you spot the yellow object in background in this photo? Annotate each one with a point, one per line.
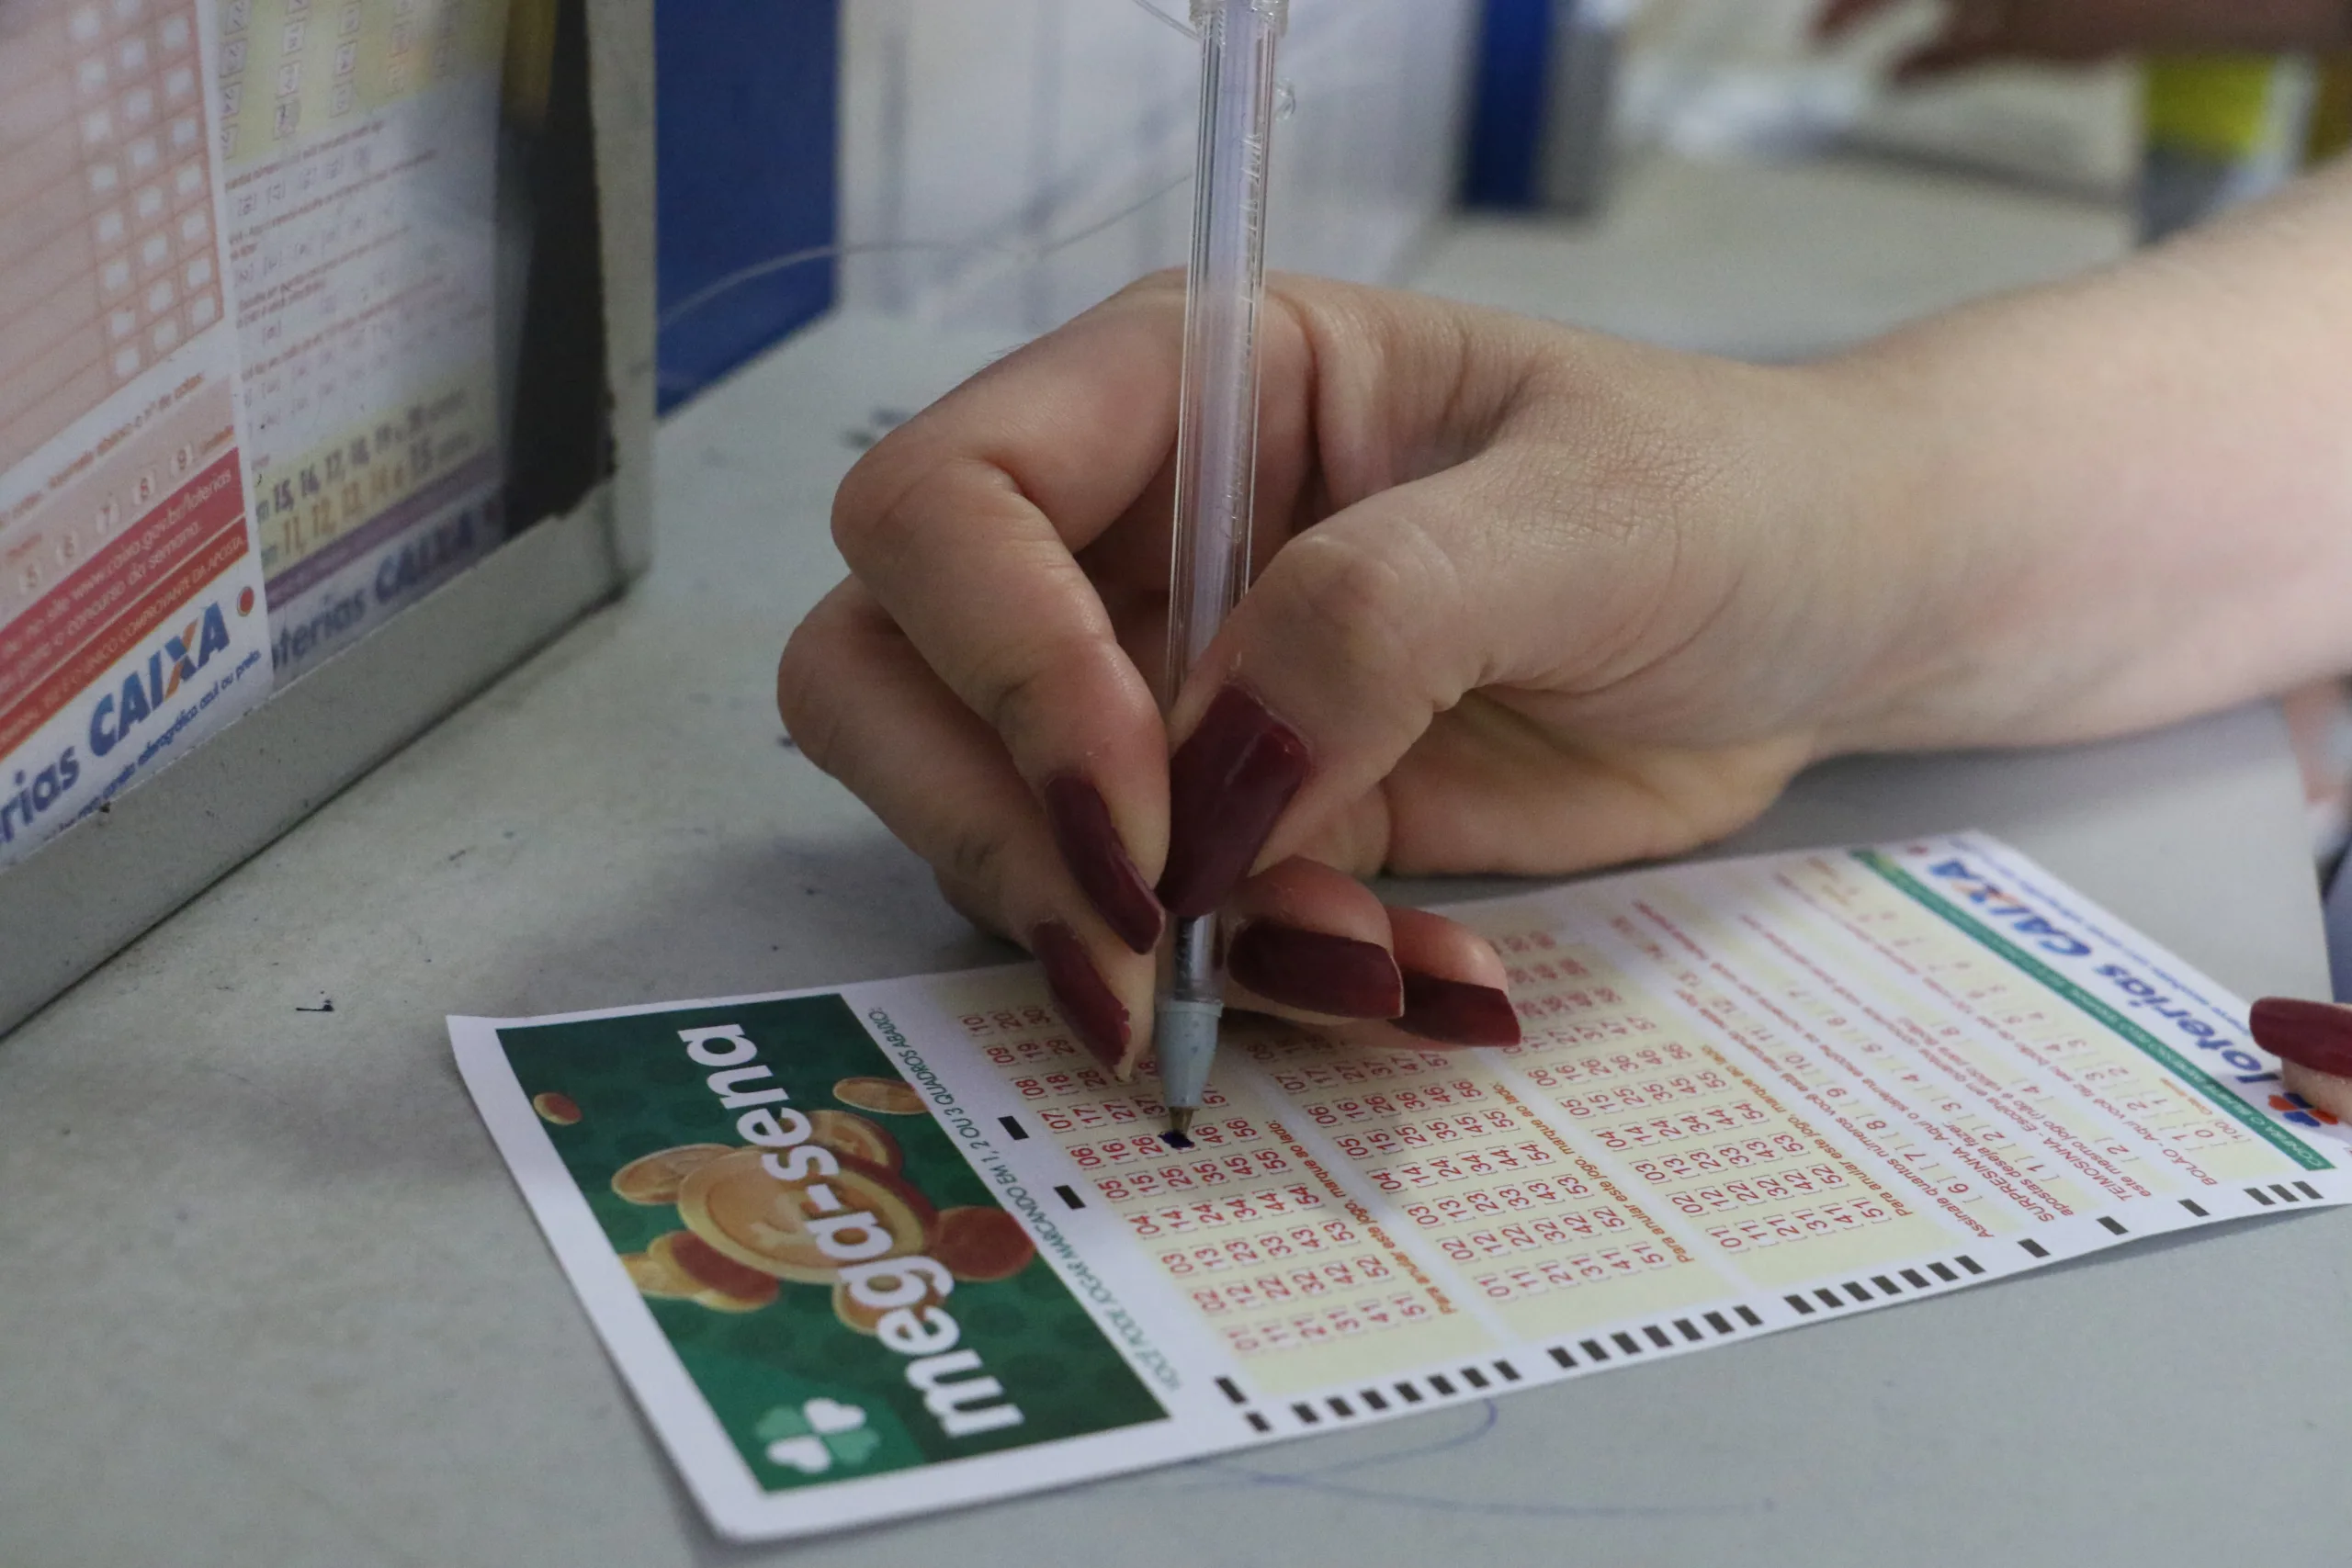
(2330, 130)
(2221, 107)
(2220, 129)
(530, 62)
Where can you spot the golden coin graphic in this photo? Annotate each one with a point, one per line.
(712, 1279)
(890, 1097)
(653, 1180)
(559, 1109)
(847, 1133)
(856, 1315)
(978, 1246)
(657, 1277)
(802, 1230)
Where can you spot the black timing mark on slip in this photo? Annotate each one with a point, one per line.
(1854, 1292)
(2295, 1194)
(1459, 1383)
(2034, 1248)
(1629, 1342)
(1232, 1390)
(1014, 1129)
(1067, 1196)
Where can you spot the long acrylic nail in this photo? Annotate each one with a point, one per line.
(1316, 971)
(1226, 786)
(1457, 1012)
(2309, 1034)
(1086, 1000)
(1090, 843)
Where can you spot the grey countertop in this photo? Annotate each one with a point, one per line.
(271, 1299)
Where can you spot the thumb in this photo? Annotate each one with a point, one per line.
(1363, 629)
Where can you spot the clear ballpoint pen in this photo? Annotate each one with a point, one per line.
(1216, 450)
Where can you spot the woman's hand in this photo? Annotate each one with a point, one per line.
(1978, 31)
(1527, 600)
(2314, 1041)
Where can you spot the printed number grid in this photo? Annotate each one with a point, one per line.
(1693, 1129)
(2054, 1043)
(288, 63)
(109, 259)
(1508, 1205)
(354, 326)
(1266, 1254)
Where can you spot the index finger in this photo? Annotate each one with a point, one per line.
(964, 526)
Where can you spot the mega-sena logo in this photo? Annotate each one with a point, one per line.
(171, 664)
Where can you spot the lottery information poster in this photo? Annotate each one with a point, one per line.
(131, 622)
(890, 1248)
(360, 138)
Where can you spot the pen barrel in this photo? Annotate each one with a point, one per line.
(1216, 445)
(1216, 431)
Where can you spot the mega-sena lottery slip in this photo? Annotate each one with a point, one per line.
(882, 1248)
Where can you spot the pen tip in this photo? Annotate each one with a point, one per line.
(1180, 1120)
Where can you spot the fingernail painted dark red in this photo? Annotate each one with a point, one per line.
(1226, 786)
(2310, 1034)
(1317, 972)
(1091, 847)
(1457, 1012)
(1087, 1002)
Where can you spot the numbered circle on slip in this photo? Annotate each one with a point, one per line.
(889, 1097)
(803, 1230)
(978, 1246)
(847, 1133)
(653, 1180)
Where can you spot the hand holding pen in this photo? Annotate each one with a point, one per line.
(1439, 666)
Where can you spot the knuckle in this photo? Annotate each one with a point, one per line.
(809, 682)
(1013, 689)
(965, 902)
(881, 515)
(972, 875)
(1360, 607)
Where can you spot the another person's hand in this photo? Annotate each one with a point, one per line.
(1527, 600)
(1977, 31)
(2314, 1041)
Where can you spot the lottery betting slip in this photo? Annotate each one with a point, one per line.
(890, 1248)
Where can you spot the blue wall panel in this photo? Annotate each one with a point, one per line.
(1507, 117)
(746, 117)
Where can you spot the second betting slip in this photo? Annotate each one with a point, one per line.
(890, 1248)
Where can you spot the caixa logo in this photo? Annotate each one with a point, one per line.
(2302, 1113)
(143, 692)
(2020, 919)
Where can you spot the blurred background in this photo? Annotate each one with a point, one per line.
(1721, 175)
(1707, 173)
